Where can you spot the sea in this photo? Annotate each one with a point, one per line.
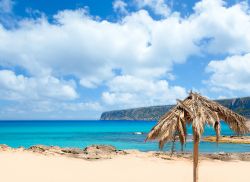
(121, 134)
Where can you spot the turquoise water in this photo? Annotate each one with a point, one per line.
(84, 133)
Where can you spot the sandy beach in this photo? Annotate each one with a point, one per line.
(22, 165)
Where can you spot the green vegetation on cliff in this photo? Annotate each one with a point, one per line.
(239, 105)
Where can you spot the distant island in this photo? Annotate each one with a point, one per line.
(239, 105)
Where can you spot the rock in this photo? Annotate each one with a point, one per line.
(100, 149)
(4, 147)
(99, 152)
(72, 151)
(54, 150)
(220, 156)
(245, 157)
(38, 148)
(95, 152)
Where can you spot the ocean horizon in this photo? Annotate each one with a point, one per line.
(122, 134)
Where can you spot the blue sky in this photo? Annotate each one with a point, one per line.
(74, 59)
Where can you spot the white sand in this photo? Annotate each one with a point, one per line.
(23, 166)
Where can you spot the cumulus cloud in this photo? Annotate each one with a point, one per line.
(140, 48)
(232, 73)
(91, 50)
(81, 106)
(76, 44)
(51, 110)
(159, 7)
(222, 29)
(120, 7)
(19, 87)
(130, 91)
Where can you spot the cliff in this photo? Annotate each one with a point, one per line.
(239, 105)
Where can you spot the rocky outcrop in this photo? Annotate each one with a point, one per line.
(222, 156)
(88, 153)
(4, 147)
(101, 152)
(96, 152)
(100, 149)
(239, 105)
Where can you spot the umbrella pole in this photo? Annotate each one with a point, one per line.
(195, 158)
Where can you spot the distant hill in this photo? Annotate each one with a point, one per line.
(239, 105)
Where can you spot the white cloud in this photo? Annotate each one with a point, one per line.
(232, 73)
(222, 29)
(76, 44)
(143, 49)
(90, 50)
(81, 106)
(129, 91)
(19, 87)
(46, 109)
(159, 7)
(120, 7)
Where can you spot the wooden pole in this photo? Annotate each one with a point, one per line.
(195, 157)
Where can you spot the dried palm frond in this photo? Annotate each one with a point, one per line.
(197, 111)
(235, 121)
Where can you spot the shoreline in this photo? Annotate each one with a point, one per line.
(96, 152)
(228, 139)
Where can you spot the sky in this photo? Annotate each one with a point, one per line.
(74, 59)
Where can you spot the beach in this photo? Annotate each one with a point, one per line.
(32, 165)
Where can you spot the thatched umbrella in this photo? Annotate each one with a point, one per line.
(197, 111)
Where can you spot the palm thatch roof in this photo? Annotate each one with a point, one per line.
(197, 111)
